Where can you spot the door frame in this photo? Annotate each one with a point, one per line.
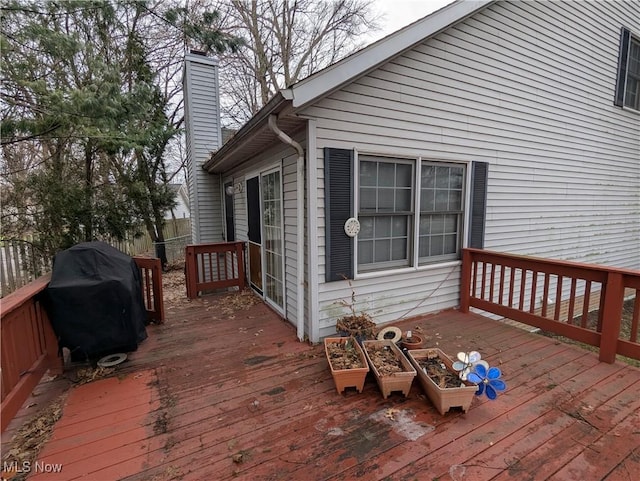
(260, 173)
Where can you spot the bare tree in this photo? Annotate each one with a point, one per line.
(285, 41)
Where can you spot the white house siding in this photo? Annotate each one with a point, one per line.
(203, 136)
(529, 88)
(284, 157)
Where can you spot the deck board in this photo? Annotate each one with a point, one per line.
(209, 384)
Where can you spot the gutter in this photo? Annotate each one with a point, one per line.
(300, 221)
(247, 129)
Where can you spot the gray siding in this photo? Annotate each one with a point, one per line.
(529, 88)
(290, 204)
(202, 137)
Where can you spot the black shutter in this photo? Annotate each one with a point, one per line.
(625, 37)
(338, 206)
(479, 179)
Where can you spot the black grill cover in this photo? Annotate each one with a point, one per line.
(94, 301)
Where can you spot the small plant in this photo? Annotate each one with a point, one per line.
(344, 355)
(357, 324)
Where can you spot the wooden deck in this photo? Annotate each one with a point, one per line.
(213, 395)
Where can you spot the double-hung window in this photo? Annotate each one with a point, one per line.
(441, 198)
(628, 82)
(389, 201)
(385, 213)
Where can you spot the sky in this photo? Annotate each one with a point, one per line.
(399, 13)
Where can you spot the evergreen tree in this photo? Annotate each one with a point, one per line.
(87, 118)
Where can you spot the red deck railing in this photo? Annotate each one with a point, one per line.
(214, 266)
(151, 272)
(29, 345)
(583, 302)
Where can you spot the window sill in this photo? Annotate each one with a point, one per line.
(406, 270)
(630, 109)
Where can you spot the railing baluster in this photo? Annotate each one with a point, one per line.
(501, 291)
(572, 301)
(511, 285)
(545, 294)
(556, 314)
(474, 289)
(532, 299)
(585, 304)
(523, 281)
(493, 280)
(483, 285)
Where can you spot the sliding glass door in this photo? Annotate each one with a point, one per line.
(266, 236)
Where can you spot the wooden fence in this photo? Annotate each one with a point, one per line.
(21, 262)
(214, 266)
(556, 296)
(29, 345)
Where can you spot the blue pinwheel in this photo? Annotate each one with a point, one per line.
(487, 379)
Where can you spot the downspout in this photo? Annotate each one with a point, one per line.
(300, 220)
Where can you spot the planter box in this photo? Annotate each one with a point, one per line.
(344, 378)
(442, 399)
(398, 381)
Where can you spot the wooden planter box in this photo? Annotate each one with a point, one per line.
(398, 381)
(442, 399)
(344, 378)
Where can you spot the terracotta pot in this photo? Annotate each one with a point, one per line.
(398, 381)
(442, 399)
(344, 378)
(414, 342)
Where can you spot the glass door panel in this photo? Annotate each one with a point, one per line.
(272, 228)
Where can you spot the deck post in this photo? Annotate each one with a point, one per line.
(240, 256)
(465, 280)
(611, 316)
(191, 271)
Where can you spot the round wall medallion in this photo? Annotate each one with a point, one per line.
(352, 227)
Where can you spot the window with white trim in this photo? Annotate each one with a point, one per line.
(387, 199)
(441, 200)
(411, 211)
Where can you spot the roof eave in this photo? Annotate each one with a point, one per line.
(254, 124)
(360, 63)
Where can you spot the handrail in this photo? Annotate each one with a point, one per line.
(556, 296)
(214, 266)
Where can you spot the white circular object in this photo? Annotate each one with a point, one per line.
(397, 334)
(112, 360)
(352, 227)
